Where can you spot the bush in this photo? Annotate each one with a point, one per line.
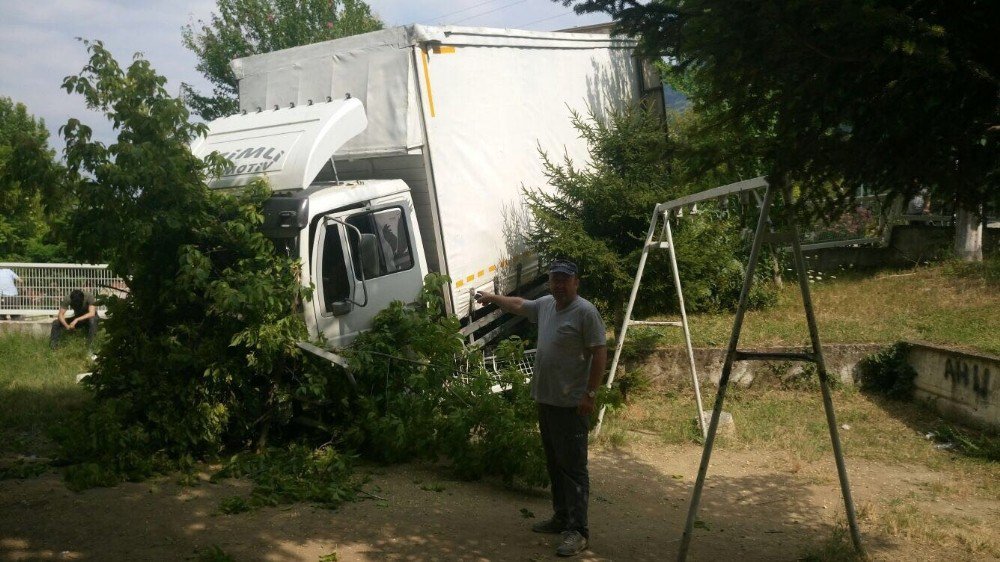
(494, 433)
(421, 394)
(103, 448)
(887, 372)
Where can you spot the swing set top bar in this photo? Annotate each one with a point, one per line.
(716, 193)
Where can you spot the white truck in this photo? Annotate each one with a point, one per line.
(405, 151)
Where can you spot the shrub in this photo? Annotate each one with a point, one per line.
(421, 394)
(887, 372)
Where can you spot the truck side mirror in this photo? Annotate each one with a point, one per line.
(341, 308)
(369, 255)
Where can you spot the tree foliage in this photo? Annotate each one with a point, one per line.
(705, 154)
(599, 215)
(892, 95)
(421, 394)
(32, 194)
(199, 353)
(247, 27)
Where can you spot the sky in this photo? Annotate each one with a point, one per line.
(39, 46)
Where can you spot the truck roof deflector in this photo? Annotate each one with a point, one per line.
(289, 146)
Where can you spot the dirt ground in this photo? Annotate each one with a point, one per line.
(755, 507)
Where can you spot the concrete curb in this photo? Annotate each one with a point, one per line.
(668, 364)
(961, 385)
(35, 327)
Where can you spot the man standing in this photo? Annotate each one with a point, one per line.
(569, 366)
(84, 310)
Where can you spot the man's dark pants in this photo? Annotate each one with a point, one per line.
(57, 331)
(564, 437)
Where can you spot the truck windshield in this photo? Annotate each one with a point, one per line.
(389, 228)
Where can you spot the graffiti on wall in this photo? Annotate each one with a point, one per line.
(968, 375)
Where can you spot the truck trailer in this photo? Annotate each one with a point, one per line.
(406, 151)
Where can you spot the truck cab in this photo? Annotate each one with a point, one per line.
(358, 241)
(363, 251)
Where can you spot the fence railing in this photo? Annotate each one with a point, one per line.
(868, 223)
(43, 286)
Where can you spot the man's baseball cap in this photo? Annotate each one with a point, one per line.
(563, 266)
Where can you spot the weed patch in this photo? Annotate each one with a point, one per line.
(213, 553)
(983, 445)
(903, 519)
(987, 270)
(887, 372)
(836, 548)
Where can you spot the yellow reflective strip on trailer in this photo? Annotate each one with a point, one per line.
(427, 80)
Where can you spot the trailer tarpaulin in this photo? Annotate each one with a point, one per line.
(375, 68)
(487, 131)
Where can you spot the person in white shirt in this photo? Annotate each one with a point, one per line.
(8, 286)
(8, 282)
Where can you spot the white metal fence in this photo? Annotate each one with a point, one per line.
(42, 287)
(869, 223)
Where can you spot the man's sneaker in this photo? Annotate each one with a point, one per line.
(573, 543)
(552, 526)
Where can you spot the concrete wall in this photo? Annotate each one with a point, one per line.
(908, 245)
(666, 366)
(961, 385)
(36, 327)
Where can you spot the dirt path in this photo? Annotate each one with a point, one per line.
(755, 507)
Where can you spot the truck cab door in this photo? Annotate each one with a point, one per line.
(363, 259)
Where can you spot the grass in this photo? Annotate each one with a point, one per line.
(38, 390)
(792, 421)
(903, 519)
(952, 304)
(788, 425)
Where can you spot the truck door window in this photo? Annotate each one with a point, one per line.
(389, 227)
(335, 284)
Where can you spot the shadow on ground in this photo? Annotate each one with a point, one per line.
(638, 508)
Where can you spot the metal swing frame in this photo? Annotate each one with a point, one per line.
(762, 234)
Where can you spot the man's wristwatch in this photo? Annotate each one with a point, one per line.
(592, 393)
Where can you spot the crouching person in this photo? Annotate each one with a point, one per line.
(84, 313)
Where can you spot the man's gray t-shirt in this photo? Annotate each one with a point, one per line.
(562, 361)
